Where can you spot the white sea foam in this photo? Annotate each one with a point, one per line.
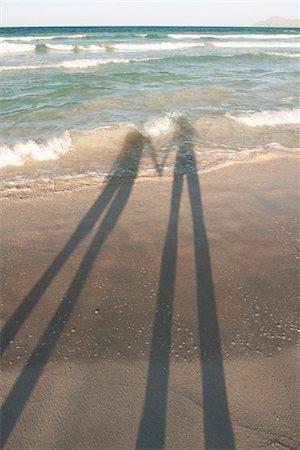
(261, 36)
(41, 38)
(60, 47)
(68, 47)
(91, 48)
(76, 64)
(9, 48)
(232, 36)
(278, 146)
(285, 55)
(17, 155)
(155, 46)
(247, 44)
(25, 67)
(270, 118)
(158, 126)
(85, 63)
(187, 36)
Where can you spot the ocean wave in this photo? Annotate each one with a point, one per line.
(91, 48)
(283, 55)
(149, 35)
(55, 147)
(98, 147)
(86, 63)
(60, 47)
(42, 38)
(19, 153)
(76, 64)
(200, 162)
(232, 36)
(269, 118)
(155, 46)
(247, 44)
(187, 36)
(13, 48)
(249, 54)
(158, 126)
(8, 48)
(69, 47)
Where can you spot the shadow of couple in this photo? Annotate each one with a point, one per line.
(218, 433)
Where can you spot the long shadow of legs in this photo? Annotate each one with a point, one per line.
(217, 423)
(85, 226)
(12, 326)
(20, 393)
(151, 433)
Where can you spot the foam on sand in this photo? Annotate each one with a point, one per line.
(270, 118)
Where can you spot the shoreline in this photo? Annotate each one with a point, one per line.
(40, 187)
(185, 290)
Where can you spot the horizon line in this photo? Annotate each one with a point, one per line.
(146, 26)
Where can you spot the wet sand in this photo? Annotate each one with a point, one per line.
(155, 313)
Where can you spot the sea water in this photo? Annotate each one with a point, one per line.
(73, 100)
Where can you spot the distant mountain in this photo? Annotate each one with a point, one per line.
(278, 22)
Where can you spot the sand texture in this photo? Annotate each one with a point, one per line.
(151, 314)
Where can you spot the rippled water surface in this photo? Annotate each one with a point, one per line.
(72, 97)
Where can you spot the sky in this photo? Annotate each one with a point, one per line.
(141, 12)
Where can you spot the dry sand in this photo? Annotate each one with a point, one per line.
(152, 314)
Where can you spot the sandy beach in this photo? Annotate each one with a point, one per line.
(153, 313)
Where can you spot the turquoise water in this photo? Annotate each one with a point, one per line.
(70, 96)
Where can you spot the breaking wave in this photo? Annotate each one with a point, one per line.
(284, 55)
(19, 153)
(247, 44)
(76, 64)
(161, 125)
(270, 118)
(232, 36)
(91, 48)
(154, 46)
(225, 133)
(8, 48)
(60, 47)
(42, 38)
(69, 47)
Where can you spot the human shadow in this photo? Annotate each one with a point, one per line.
(151, 433)
(118, 193)
(124, 165)
(218, 433)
